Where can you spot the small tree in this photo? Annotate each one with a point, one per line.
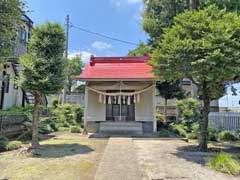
(11, 12)
(169, 90)
(204, 47)
(188, 111)
(74, 67)
(43, 67)
(141, 50)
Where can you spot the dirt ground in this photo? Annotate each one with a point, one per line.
(65, 156)
(171, 159)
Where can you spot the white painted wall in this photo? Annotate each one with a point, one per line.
(144, 109)
(95, 111)
(14, 96)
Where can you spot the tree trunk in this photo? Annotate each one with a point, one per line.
(204, 120)
(193, 4)
(165, 110)
(37, 102)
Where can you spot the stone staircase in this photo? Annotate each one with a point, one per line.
(121, 128)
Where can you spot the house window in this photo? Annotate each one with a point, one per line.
(23, 34)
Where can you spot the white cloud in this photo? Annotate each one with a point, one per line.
(134, 1)
(85, 55)
(118, 3)
(101, 45)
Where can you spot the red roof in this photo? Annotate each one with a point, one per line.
(134, 67)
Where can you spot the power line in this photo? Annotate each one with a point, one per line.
(103, 35)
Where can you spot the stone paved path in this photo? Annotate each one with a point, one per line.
(119, 161)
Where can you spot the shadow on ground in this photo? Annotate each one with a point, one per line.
(61, 150)
(192, 153)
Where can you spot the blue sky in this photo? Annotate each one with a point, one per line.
(117, 18)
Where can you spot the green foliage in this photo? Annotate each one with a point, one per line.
(158, 15)
(43, 64)
(159, 117)
(141, 50)
(3, 143)
(12, 145)
(212, 134)
(80, 89)
(11, 12)
(188, 111)
(225, 163)
(75, 129)
(63, 129)
(55, 103)
(25, 136)
(193, 131)
(44, 127)
(69, 115)
(6, 145)
(226, 136)
(200, 42)
(164, 133)
(170, 90)
(27, 110)
(230, 5)
(179, 129)
(74, 68)
(204, 47)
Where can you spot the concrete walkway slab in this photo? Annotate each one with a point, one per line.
(119, 161)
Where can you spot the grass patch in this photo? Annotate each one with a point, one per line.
(12, 145)
(225, 163)
(62, 157)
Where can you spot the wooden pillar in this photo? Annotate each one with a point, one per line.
(85, 106)
(154, 107)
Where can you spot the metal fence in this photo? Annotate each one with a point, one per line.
(75, 99)
(225, 120)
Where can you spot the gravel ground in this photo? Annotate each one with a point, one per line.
(168, 159)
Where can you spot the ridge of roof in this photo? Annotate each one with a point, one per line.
(119, 59)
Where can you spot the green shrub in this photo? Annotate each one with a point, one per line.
(179, 129)
(224, 162)
(55, 103)
(212, 134)
(164, 133)
(3, 143)
(51, 121)
(159, 117)
(75, 129)
(194, 131)
(12, 145)
(79, 115)
(192, 135)
(69, 115)
(25, 136)
(63, 129)
(44, 128)
(188, 112)
(226, 136)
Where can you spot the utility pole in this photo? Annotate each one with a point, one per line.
(66, 56)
